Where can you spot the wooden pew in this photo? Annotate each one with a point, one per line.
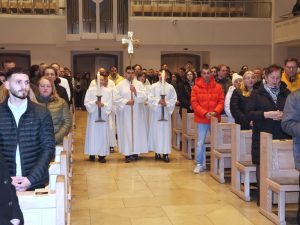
(44, 209)
(220, 156)
(277, 175)
(177, 129)
(242, 170)
(61, 168)
(188, 133)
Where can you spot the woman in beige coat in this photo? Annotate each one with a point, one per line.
(59, 109)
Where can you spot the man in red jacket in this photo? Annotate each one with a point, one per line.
(207, 100)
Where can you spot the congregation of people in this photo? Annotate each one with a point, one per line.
(132, 113)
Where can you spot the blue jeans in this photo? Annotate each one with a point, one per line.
(202, 131)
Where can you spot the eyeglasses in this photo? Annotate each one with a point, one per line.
(291, 67)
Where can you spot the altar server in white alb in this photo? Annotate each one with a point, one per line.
(97, 133)
(160, 130)
(125, 89)
(112, 125)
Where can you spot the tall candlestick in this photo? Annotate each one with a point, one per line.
(163, 80)
(98, 85)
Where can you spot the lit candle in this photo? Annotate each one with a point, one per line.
(98, 85)
(163, 80)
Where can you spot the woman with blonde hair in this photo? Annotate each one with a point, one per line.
(59, 109)
(240, 98)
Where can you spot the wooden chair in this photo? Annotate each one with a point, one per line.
(39, 7)
(14, 6)
(52, 8)
(44, 209)
(27, 6)
(219, 11)
(136, 10)
(164, 9)
(177, 129)
(220, 156)
(4, 6)
(277, 175)
(242, 170)
(188, 133)
(195, 10)
(180, 9)
(236, 11)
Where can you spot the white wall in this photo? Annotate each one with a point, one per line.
(218, 40)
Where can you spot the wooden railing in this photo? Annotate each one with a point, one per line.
(31, 6)
(197, 8)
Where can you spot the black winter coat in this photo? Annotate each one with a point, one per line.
(9, 203)
(238, 109)
(35, 136)
(184, 96)
(261, 101)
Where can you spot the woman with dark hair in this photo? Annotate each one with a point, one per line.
(184, 92)
(59, 109)
(265, 109)
(34, 74)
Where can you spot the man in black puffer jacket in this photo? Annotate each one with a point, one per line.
(26, 134)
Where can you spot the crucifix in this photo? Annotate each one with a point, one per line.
(130, 43)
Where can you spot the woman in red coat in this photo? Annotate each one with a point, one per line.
(207, 100)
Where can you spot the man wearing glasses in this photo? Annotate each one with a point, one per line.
(290, 76)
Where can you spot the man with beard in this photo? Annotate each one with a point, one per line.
(26, 134)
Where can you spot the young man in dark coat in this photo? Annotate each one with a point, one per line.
(26, 134)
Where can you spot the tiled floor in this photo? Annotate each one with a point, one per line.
(148, 192)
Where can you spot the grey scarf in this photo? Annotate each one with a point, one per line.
(273, 91)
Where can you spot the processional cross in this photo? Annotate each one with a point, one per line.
(130, 43)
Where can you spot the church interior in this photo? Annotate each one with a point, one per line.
(84, 35)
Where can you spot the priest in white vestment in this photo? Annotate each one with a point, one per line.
(160, 131)
(124, 121)
(97, 133)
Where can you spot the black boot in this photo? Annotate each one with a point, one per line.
(102, 159)
(134, 157)
(92, 158)
(166, 158)
(127, 159)
(157, 156)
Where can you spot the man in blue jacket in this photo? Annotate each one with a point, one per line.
(26, 134)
